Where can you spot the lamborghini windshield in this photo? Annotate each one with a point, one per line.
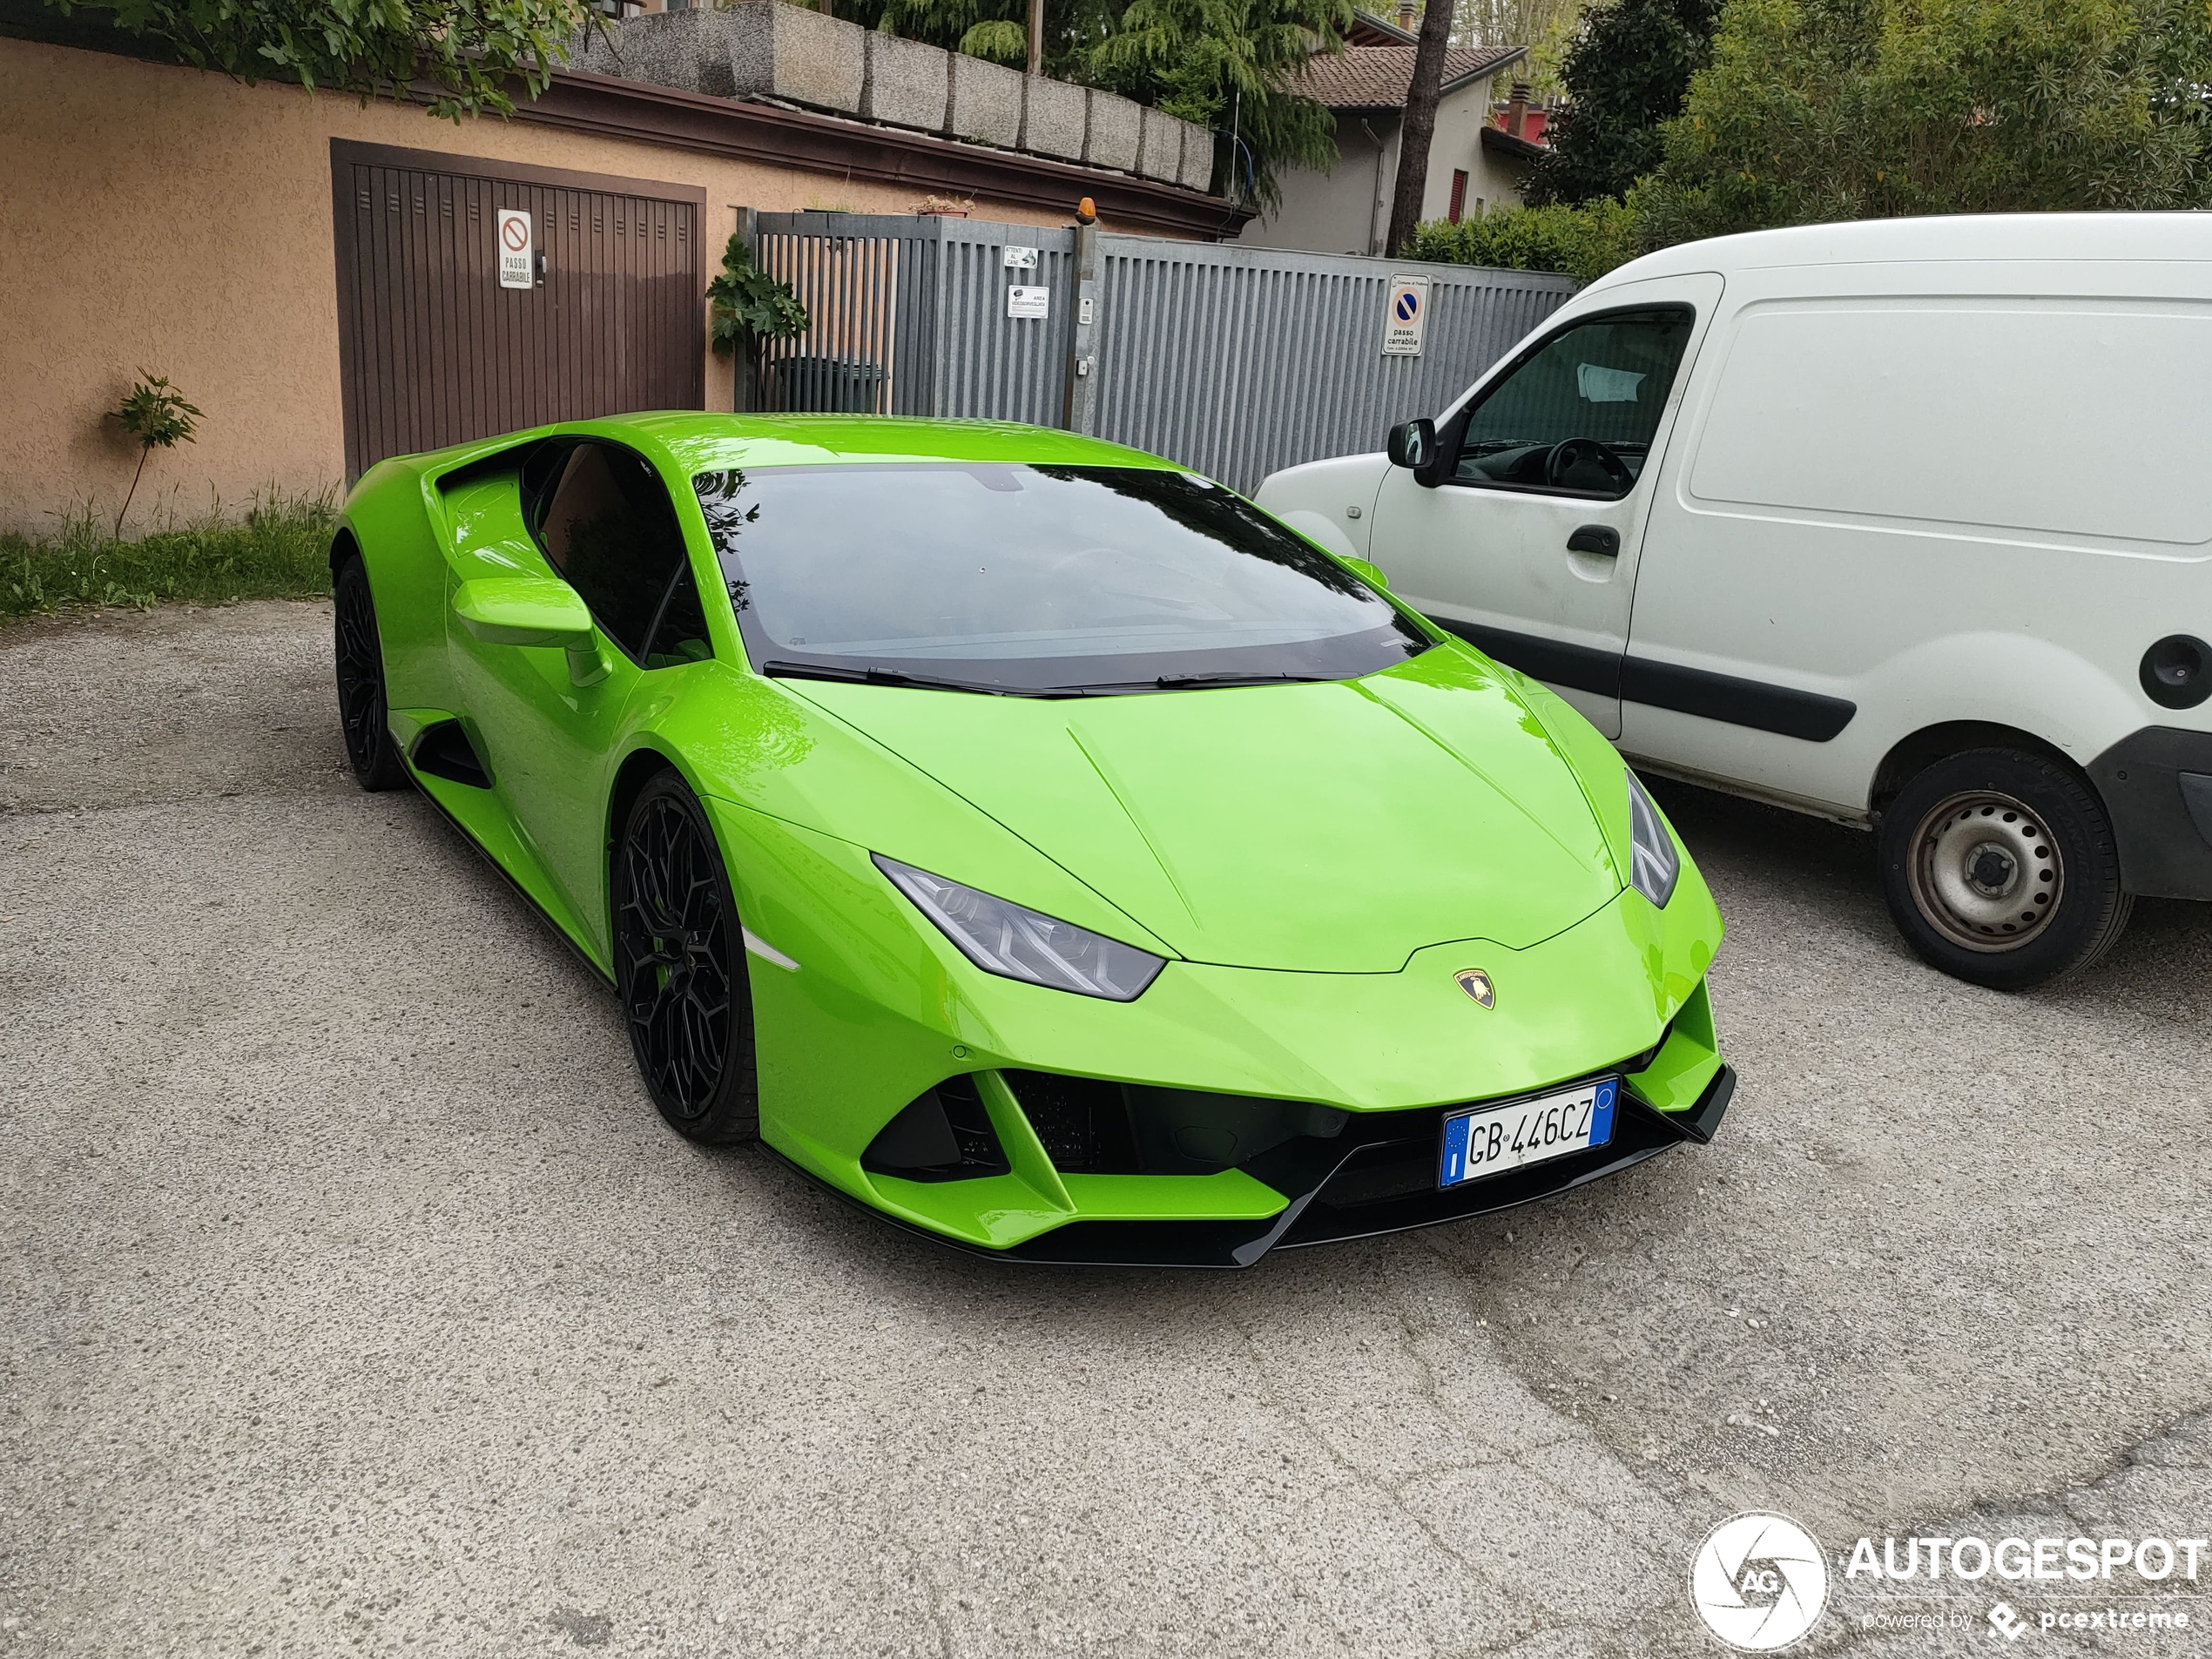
(1033, 580)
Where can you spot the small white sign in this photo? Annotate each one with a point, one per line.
(516, 267)
(1028, 302)
(1021, 259)
(1405, 316)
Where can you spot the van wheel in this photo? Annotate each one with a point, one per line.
(1999, 867)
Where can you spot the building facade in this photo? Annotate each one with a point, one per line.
(1346, 208)
(269, 250)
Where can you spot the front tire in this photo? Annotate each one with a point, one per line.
(359, 650)
(2000, 867)
(680, 967)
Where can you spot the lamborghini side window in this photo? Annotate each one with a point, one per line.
(607, 526)
(681, 635)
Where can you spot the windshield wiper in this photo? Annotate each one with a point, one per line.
(776, 669)
(1181, 682)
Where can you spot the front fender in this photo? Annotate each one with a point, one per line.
(1330, 502)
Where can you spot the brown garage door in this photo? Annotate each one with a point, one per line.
(433, 351)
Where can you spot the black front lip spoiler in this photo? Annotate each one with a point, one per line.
(1304, 1170)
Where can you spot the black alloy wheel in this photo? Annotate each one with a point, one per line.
(2000, 867)
(680, 967)
(359, 653)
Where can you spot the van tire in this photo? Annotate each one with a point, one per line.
(2000, 867)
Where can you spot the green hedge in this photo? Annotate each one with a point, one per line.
(279, 552)
(1583, 241)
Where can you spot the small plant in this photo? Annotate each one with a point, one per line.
(279, 550)
(748, 306)
(157, 416)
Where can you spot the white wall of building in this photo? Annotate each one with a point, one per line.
(1457, 145)
(1346, 208)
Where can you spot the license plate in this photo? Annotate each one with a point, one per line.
(1491, 1140)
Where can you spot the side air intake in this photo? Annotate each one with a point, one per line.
(943, 1133)
(444, 750)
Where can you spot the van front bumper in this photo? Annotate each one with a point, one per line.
(2157, 787)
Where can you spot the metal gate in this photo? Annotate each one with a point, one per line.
(1236, 362)
(432, 350)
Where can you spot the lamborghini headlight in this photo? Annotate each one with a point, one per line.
(1019, 943)
(1654, 865)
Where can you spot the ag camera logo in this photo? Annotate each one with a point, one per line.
(1759, 1581)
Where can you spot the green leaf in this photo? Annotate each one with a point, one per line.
(746, 305)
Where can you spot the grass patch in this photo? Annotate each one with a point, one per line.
(279, 548)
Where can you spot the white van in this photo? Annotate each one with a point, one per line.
(1906, 523)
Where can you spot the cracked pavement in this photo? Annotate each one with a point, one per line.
(355, 1300)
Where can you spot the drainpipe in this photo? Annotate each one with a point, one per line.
(1376, 206)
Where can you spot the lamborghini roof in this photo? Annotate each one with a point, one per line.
(708, 443)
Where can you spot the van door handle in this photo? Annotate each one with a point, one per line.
(1600, 539)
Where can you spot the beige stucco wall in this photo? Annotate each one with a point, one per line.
(160, 218)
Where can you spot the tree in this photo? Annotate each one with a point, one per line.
(157, 416)
(1821, 110)
(469, 51)
(1418, 132)
(1231, 65)
(1626, 71)
(1545, 27)
(1228, 64)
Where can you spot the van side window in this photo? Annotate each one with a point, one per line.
(606, 524)
(1578, 414)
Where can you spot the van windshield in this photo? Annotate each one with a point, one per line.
(1579, 413)
(1033, 580)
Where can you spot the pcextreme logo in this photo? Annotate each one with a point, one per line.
(1759, 1581)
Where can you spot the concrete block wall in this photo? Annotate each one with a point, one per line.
(1054, 117)
(908, 82)
(986, 102)
(774, 48)
(1197, 157)
(1159, 145)
(1110, 138)
(795, 52)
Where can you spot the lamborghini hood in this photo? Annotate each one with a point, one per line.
(1332, 828)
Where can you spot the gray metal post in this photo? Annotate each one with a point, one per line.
(1079, 402)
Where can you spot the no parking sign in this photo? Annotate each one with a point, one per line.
(514, 249)
(1405, 316)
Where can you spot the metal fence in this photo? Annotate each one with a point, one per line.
(1236, 362)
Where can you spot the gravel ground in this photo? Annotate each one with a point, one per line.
(355, 1300)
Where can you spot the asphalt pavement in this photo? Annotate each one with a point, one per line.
(353, 1299)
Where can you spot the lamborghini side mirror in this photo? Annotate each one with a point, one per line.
(533, 610)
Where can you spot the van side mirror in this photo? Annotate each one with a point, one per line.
(1411, 444)
(1414, 446)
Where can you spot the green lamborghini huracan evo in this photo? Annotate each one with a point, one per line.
(1027, 839)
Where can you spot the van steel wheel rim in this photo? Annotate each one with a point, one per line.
(361, 672)
(1984, 872)
(675, 946)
